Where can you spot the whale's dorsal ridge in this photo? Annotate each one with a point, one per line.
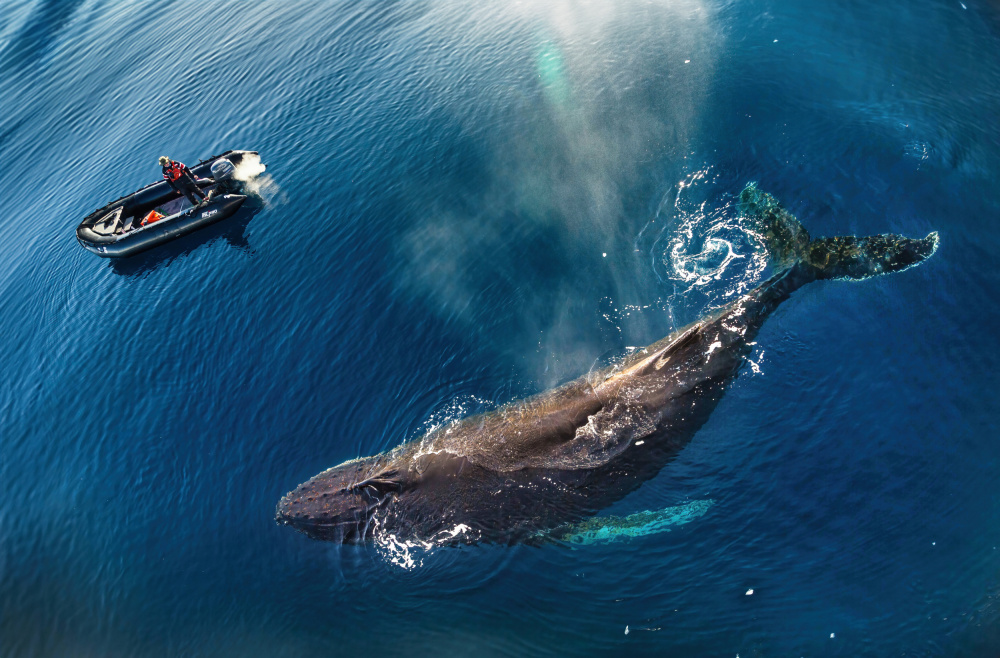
(660, 357)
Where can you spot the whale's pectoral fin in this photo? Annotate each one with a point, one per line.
(844, 257)
(607, 529)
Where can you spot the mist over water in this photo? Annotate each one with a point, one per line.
(464, 205)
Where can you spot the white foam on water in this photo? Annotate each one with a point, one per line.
(707, 246)
(250, 172)
(250, 167)
(411, 554)
(441, 422)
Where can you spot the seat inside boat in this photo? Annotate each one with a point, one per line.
(110, 223)
(114, 223)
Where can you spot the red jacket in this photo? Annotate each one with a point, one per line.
(176, 171)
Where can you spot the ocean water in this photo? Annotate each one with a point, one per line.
(467, 203)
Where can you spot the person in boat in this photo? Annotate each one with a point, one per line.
(179, 177)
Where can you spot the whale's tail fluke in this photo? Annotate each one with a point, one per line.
(846, 257)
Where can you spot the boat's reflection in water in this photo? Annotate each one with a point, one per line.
(232, 230)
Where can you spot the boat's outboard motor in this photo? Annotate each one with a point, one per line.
(224, 173)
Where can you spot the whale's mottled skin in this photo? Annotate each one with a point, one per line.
(554, 459)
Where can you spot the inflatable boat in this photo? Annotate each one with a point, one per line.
(157, 213)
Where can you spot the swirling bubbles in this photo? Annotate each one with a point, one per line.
(707, 253)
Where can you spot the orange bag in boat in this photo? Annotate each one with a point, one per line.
(151, 217)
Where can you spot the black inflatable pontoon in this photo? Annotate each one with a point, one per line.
(126, 226)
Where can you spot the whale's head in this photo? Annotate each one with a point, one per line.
(339, 503)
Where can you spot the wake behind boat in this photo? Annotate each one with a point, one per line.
(158, 213)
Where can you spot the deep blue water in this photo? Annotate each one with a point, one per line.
(468, 203)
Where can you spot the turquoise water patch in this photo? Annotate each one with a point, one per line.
(552, 73)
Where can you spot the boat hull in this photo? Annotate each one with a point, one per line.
(109, 233)
(162, 231)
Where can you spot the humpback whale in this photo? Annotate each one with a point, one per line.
(543, 464)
